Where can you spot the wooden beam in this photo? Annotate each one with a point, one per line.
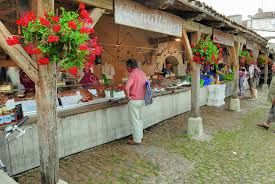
(157, 4)
(18, 55)
(193, 4)
(194, 27)
(46, 96)
(154, 41)
(104, 4)
(7, 11)
(96, 13)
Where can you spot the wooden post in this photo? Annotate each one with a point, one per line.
(46, 96)
(195, 73)
(195, 126)
(235, 56)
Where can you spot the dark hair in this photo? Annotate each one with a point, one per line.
(132, 63)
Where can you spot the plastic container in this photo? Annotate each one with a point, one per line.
(7, 119)
(2, 120)
(207, 81)
(201, 83)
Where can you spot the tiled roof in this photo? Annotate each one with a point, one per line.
(261, 15)
(212, 12)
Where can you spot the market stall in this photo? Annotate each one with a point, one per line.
(95, 112)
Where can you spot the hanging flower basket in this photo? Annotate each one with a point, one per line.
(246, 57)
(206, 51)
(262, 59)
(66, 40)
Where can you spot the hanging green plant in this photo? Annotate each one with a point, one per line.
(262, 59)
(67, 39)
(206, 51)
(246, 56)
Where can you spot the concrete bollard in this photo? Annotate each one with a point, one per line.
(235, 104)
(195, 127)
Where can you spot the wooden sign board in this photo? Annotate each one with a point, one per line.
(133, 14)
(223, 38)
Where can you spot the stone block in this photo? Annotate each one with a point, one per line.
(195, 127)
(235, 104)
(61, 182)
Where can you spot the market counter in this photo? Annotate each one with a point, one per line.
(81, 128)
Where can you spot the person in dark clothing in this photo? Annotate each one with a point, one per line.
(168, 69)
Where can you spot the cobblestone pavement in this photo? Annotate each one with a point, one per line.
(236, 151)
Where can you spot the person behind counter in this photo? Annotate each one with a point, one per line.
(89, 79)
(135, 91)
(168, 69)
(26, 82)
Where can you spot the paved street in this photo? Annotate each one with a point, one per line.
(234, 150)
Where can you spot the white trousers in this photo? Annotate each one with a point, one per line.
(134, 110)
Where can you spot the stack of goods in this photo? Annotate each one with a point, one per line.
(10, 116)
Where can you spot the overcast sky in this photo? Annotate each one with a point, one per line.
(244, 7)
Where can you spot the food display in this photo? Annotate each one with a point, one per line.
(7, 88)
(162, 84)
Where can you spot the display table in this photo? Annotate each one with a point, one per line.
(216, 95)
(87, 125)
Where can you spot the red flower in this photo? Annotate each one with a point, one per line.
(72, 25)
(92, 57)
(53, 38)
(55, 19)
(85, 14)
(43, 61)
(81, 6)
(83, 47)
(98, 50)
(30, 49)
(202, 58)
(92, 31)
(197, 53)
(192, 45)
(44, 22)
(218, 45)
(89, 64)
(196, 59)
(85, 30)
(25, 19)
(205, 49)
(56, 28)
(213, 57)
(14, 40)
(73, 70)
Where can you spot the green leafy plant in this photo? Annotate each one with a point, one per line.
(262, 59)
(206, 51)
(246, 56)
(66, 40)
